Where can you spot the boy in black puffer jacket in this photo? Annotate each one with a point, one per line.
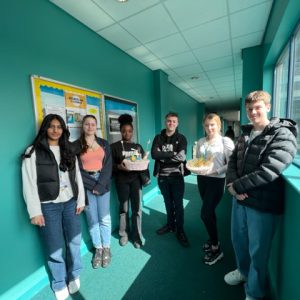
(263, 151)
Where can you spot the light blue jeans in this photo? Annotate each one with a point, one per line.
(252, 232)
(62, 230)
(99, 220)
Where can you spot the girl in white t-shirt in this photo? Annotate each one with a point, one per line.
(211, 183)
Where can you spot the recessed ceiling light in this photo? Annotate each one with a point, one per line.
(122, 1)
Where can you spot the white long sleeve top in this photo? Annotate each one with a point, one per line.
(30, 189)
(220, 149)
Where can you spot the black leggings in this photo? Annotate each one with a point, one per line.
(211, 190)
(130, 191)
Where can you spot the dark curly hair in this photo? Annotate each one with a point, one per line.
(125, 119)
(68, 159)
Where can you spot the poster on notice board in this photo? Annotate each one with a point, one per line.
(72, 103)
(114, 107)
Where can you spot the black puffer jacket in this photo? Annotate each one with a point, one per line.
(255, 167)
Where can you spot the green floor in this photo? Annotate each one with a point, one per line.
(163, 269)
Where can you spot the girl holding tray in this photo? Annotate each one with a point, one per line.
(129, 179)
(96, 166)
(211, 181)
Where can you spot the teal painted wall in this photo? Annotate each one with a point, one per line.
(39, 38)
(284, 264)
(190, 123)
(284, 18)
(252, 76)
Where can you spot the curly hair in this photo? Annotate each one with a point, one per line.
(125, 119)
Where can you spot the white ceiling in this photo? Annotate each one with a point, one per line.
(184, 38)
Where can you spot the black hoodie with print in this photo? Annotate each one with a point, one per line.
(169, 153)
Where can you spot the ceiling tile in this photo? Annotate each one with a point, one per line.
(183, 85)
(200, 83)
(227, 72)
(120, 11)
(189, 70)
(119, 37)
(207, 34)
(245, 41)
(151, 24)
(170, 73)
(250, 20)
(213, 51)
(235, 5)
(218, 63)
(201, 80)
(142, 54)
(179, 60)
(222, 80)
(237, 59)
(190, 13)
(225, 90)
(168, 46)
(224, 85)
(86, 12)
(156, 65)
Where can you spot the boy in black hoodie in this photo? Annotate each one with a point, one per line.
(263, 151)
(169, 151)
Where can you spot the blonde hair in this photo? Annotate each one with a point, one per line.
(214, 117)
(258, 96)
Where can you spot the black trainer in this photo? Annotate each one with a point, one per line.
(182, 239)
(165, 229)
(207, 246)
(213, 256)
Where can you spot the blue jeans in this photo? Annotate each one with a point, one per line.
(252, 232)
(98, 217)
(62, 230)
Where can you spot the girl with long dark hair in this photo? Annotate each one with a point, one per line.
(54, 194)
(128, 183)
(96, 167)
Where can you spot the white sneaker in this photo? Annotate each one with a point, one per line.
(74, 286)
(235, 277)
(62, 294)
(249, 298)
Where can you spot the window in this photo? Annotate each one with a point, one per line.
(287, 84)
(281, 84)
(295, 93)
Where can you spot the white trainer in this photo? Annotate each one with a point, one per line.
(249, 298)
(62, 294)
(74, 286)
(235, 277)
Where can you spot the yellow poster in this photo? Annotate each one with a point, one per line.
(72, 103)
